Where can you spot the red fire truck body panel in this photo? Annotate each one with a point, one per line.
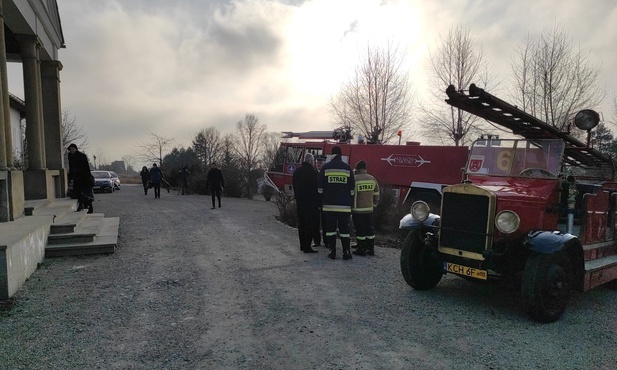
(405, 167)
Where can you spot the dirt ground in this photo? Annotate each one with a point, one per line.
(195, 288)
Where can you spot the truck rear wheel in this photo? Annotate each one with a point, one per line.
(546, 286)
(421, 267)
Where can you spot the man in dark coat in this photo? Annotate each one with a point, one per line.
(79, 173)
(185, 180)
(214, 180)
(305, 181)
(156, 177)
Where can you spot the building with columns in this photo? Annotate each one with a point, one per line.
(31, 34)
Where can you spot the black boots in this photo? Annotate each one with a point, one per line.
(346, 248)
(370, 247)
(361, 250)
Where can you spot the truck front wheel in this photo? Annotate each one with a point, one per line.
(546, 286)
(421, 267)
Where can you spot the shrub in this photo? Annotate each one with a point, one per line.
(386, 214)
(287, 209)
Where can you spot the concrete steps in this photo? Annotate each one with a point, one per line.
(95, 234)
(77, 233)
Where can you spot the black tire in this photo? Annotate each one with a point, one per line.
(546, 286)
(422, 269)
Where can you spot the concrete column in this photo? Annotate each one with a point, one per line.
(32, 94)
(6, 155)
(39, 90)
(52, 113)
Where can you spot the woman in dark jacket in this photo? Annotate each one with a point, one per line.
(145, 178)
(79, 173)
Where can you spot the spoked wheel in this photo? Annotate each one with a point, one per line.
(421, 267)
(546, 286)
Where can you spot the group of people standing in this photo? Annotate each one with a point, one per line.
(336, 195)
(153, 178)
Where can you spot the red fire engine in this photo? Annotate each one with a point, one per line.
(416, 171)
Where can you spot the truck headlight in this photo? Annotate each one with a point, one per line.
(420, 210)
(507, 222)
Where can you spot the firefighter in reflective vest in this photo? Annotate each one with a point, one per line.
(337, 185)
(365, 200)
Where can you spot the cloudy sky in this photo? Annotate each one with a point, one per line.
(175, 67)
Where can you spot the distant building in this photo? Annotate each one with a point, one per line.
(118, 167)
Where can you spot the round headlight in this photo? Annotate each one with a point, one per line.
(586, 119)
(420, 210)
(507, 222)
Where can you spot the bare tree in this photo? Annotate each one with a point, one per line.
(555, 78)
(129, 161)
(458, 60)
(270, 145)
(153, 147)
(72, 131)
(377, 101)
(208, 145)
(248, 149)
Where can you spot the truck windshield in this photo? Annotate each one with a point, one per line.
(519, 158)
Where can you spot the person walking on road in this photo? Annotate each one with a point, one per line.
(83, 182)
(155, 178)
(185, 180)
(305, 181)
(215, 181)
(337, 185)
(366, 197)
(145, 178)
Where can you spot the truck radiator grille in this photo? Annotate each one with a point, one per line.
(464, 222)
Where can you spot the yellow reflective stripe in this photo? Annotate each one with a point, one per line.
(331, 234)
(336, 172)
(345, 235)
(335, 208)
(371, 237)
(363, 209)
(360, 237)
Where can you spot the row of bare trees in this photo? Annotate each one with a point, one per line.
(553, 78)
(243, 154)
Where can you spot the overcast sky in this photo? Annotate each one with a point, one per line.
(175, 67)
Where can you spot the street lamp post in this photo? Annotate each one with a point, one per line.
(94, 157)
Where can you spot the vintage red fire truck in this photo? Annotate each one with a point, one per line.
(541, 211)
(417, 172)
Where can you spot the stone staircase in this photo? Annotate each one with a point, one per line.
(50, 228)
(77, 233)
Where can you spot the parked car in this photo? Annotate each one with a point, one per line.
(116, 180)
(103, 181)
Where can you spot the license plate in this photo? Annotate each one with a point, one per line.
(466, 271)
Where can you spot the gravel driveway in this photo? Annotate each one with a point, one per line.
(195, 288)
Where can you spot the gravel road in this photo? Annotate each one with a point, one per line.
(195, 288)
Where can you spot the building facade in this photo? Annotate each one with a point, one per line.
(30, 34)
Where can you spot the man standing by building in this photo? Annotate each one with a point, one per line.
(214, 180)
(79, 173)
(337, 185)
(305, 181)
(365, 199)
